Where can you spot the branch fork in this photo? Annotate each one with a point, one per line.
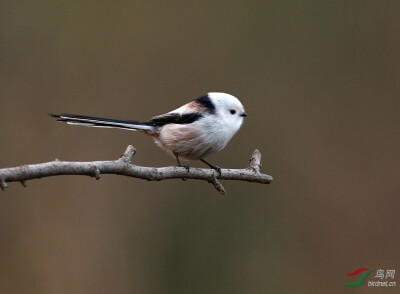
(123, 166)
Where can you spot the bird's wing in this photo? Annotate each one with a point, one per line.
(185, 114)
(176, 118)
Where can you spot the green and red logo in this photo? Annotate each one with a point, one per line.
(361, 280)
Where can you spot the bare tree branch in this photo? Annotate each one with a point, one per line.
(123, 166)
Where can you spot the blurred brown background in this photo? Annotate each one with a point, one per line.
(320, 82)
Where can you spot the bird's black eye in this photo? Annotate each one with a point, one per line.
(233, 111)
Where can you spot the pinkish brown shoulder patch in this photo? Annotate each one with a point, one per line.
(194, 106)
(151, 133)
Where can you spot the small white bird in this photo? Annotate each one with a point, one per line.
(193, 131)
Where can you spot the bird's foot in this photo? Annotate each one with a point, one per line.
(217, 168)
(214, 167)
(180, 165)
(187, 168)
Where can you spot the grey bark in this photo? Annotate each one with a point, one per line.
(123, 166)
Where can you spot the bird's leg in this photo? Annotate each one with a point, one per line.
(217, 168)
(180, 165)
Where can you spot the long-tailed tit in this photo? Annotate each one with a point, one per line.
(193, 131)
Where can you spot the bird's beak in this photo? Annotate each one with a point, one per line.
(243, 114)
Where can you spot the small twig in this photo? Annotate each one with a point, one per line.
(255, 161)
(96, 173)
(123, 166)
(217, 185)
(3, 184)
(128, 154)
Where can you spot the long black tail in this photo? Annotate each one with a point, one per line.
(100, 122)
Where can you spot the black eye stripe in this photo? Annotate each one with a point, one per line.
(232, 111)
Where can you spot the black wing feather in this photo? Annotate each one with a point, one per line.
(176, 118)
